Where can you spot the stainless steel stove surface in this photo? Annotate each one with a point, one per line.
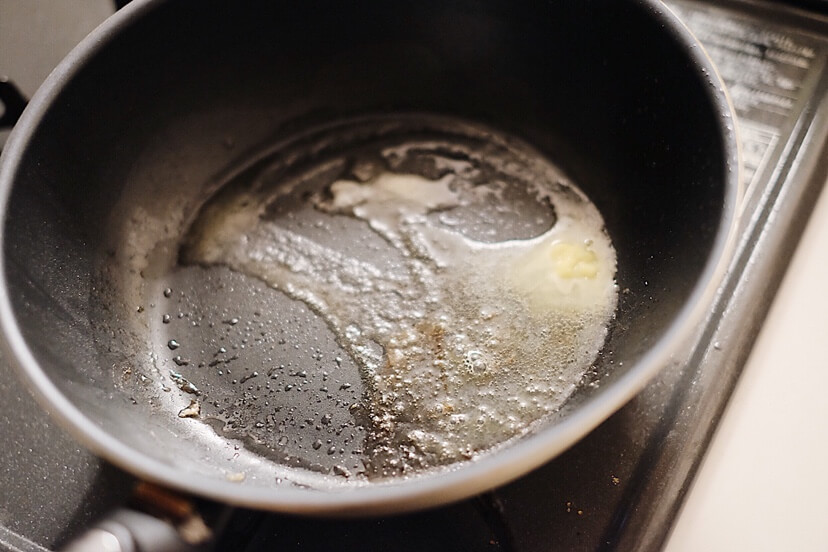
(620, 488)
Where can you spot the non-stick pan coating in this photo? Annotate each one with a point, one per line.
(149, 116)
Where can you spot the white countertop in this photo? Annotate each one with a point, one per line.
(764, 481)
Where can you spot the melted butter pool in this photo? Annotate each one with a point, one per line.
(469, 340)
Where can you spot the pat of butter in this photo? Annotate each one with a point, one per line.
(572, 270)
(573, 260)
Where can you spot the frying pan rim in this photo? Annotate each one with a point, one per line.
(404, 494)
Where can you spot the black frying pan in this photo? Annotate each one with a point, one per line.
(167, 103)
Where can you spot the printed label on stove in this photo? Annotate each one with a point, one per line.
(769, 72)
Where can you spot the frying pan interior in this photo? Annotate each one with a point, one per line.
(143, 125)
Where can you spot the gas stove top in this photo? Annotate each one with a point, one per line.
(621, 487)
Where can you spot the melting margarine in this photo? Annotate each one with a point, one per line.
(469, 342)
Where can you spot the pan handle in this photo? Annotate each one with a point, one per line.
(13, 102)
(131, 531)
(156, 520)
